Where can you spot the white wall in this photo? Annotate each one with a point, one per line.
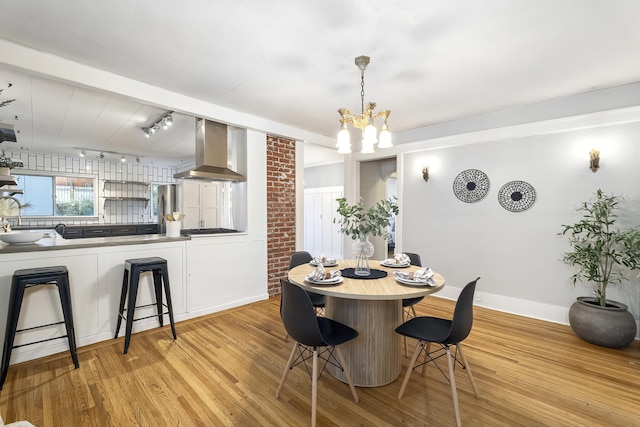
(323, 176)
(112, 212)
(518, 254)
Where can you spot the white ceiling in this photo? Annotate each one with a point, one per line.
(291, 61)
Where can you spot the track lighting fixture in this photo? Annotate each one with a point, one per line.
(102, 153)
(162, 123)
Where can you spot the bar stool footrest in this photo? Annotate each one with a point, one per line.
(40, 326)
(37, 342)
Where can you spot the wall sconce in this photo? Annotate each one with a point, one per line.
(425, 173)
(594, 160)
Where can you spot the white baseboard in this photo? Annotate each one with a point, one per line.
(521, 307)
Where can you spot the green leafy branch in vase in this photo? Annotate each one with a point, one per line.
(356, 221)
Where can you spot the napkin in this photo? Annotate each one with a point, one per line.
(398, 259)
(321, 259)
(424, 275)
(321, 274)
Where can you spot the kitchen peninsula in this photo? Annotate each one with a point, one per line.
(208, 273)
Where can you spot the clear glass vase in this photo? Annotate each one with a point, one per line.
(362, 250)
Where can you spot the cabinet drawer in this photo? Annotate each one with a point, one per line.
(147, 229)
(125, 230)
(97, 232)
(72, 233)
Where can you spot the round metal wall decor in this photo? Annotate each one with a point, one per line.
(517, 196)
(471, 185)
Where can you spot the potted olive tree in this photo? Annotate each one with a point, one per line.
(602, 254)
(7, 163)
(359, 223)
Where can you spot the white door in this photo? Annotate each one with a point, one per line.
(321, 235)
(191, 204)
(209, 196)
(200, 204)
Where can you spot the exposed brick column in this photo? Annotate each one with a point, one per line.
(281, 208)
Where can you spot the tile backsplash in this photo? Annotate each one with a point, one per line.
(109, 211)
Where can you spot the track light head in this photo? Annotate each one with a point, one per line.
(163, 123)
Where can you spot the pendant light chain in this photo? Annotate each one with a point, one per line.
(362, 91)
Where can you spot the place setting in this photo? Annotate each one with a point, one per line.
(420, 278)
(321, 276)
(324, 261)
(399, 260)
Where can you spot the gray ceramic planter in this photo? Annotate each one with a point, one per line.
(611, 326)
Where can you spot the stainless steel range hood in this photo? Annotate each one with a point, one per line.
(211, 154)
(7, 133)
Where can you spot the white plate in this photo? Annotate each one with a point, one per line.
(394, 264)
(414, 282)
(331, 263)
(333, 281)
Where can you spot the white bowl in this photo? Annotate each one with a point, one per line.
(22, 236)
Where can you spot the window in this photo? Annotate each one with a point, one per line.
(58, 195)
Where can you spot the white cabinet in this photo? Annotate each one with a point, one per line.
(200, 204)
(95, 276)
(207, 274)
(224, 271)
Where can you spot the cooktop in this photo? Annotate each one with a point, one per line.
(191, 231)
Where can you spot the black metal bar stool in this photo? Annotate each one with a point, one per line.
(132, 270)
(23, 279)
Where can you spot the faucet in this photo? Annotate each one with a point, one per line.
(17, 202)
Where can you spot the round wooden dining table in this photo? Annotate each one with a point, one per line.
(373, 307)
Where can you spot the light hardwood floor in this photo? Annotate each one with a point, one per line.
(224, 370)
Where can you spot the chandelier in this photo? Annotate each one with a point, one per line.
(363, 121)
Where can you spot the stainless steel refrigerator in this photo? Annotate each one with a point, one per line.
(167, 203)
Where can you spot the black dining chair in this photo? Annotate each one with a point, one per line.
(445, 333)
(312, 332)
(408, 309)
(304, 257)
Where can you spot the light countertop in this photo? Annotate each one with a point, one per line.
(57, 243)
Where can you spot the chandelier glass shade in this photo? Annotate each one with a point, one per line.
(365, 121)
